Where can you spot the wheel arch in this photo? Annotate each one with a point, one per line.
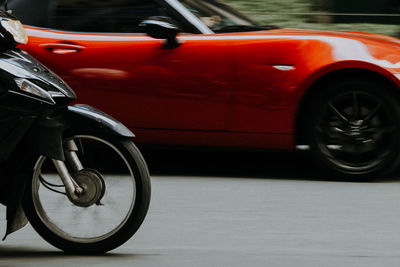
(348, 73)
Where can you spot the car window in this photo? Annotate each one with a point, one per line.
(33, 13)
(105, 16)
(120, 16)
(216, 14)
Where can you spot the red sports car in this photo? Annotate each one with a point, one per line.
(199, 73)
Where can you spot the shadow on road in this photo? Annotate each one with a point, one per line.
(256, 164)
(28, 253)
(32, 253)
(294, 165)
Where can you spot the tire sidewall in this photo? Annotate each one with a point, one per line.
(319, 106)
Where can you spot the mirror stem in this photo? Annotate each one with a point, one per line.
(172, 43)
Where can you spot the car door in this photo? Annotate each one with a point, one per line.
(97, 47)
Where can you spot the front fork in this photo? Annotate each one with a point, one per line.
(72, 187)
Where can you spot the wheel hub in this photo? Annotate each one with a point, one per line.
(92, 183)
(356, 131)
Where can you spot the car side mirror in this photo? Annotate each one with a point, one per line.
(160, 27)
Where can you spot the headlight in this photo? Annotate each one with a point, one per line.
(16, 29)
(31, 88)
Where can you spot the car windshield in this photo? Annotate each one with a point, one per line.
(218, 16)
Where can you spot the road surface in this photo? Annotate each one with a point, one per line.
(283, 218)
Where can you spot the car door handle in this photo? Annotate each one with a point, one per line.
(62, 48)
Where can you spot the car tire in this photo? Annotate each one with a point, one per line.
(353, 129)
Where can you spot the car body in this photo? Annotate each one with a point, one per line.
(232, 86)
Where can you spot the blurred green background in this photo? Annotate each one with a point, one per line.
(309, 14)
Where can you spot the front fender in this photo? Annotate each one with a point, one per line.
(346, 66)
(47, 134)
(87, 117)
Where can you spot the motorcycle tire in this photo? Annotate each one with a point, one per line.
(114, 203)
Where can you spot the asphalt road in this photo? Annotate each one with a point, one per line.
(218, 216)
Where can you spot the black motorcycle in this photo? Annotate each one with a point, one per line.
(72, 171)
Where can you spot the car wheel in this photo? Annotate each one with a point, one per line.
(353, 128)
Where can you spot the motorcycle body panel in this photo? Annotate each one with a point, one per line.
(16, 64)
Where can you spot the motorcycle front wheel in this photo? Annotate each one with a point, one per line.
(112, 207)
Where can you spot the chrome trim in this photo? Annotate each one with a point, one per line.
(71, 145)
(195, 21)
(284, 67)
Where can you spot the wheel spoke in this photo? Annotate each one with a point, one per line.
(354, 149)
(337, 113)
(380, 130)
(334, 147)
(328, 129)
(336, 130)
(319, 129)
(355, 106)
(372, 113)
(348, 148)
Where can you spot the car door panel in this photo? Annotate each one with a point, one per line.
(139, 81)
(265, 84)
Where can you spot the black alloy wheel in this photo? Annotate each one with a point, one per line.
(354, 129)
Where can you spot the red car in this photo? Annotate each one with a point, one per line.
(198, 73)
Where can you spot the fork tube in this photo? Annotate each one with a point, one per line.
(72, 157)
(72, 188)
